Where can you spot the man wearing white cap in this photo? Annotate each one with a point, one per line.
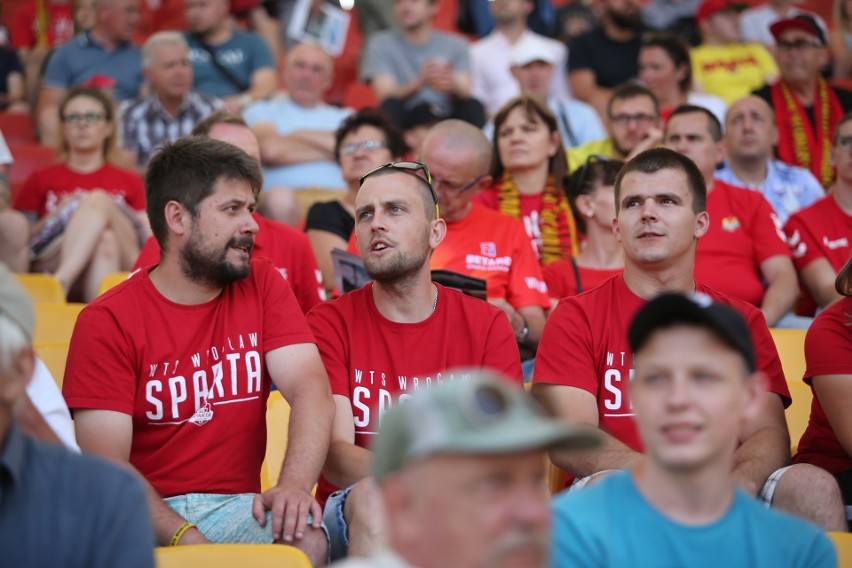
(493, 83)
(461, 468)
(534, 66)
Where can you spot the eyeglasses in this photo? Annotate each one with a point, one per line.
(411, 168)
(844, 143)
(801, 45)
(366, 145)
(641, 119)
(88, 117)
(583, 173)
(458, 190)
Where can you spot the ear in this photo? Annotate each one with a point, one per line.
(615, 229)
(755, 396)
(721, 150)
(555, 143)
(584, 205)
(178, 219)
(514, 71)
(437, 233)
(702, 224)
(486, 181)
(682, 69)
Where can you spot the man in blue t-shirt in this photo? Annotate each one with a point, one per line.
(694, 387)
(233, 65)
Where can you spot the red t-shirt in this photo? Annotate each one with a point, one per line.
(288, 249)
(744, 231)
(490, 245)
(584, 345)
(193, 377)
(60, 27)
(531, 206)
(822, 230)
(828, 351)
(561, 279)
(375, 362)
(46, 187)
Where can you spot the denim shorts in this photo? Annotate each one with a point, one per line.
(335, 525)
(224, 518)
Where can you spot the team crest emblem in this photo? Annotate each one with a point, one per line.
(730, 224)
(488, 249)
(202, 416)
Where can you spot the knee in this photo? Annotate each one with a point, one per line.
(363, 506)
(108, 247)
(315, 546)
(810, 483)
(14, 227)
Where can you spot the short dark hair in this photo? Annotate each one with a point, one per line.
(186, 171)
(582, 182)
(631, 90)
(843, 282)
(377, 118)
(677, 50)
(221, 116)
(656, 159)
(843, 120)
(714, 127)
(557, 165)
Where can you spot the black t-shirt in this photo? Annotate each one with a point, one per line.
(9, 63)
(614, 62)
(844, 97)
(331, 217)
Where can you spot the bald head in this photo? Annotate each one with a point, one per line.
(308, 74)
(750, 130)
(460, 138)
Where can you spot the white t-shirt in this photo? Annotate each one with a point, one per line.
(45, 395)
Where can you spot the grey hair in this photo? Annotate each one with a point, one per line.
(13, 340)
(158, 39)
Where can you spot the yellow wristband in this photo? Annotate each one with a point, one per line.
(179, 533)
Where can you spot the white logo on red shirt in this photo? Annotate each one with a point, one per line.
(488, 264)
(836, 243)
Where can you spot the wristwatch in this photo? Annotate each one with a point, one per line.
(522, 335)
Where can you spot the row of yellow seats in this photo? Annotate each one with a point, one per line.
(46, 288)
(228, 555)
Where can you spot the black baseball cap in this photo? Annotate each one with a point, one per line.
(669, 309)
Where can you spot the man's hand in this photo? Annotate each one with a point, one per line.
(290, 508)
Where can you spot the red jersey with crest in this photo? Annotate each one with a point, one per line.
(584, 345)
(822, 230)
(287, 248)
(192, 377)
(828, 351)
(744, 231)
(530, 206)
(375, 362)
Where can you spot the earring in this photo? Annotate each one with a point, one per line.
(590, 214)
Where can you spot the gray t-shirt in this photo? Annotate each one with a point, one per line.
(389, 54)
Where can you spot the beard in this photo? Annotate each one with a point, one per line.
(400, 267)
(209, 267)
(626, 20)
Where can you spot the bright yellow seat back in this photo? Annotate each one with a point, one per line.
(277, 422)
(42, 288)
(230, 555)
(111, 280)
(843, 545)
(55, 322)
(54, 356)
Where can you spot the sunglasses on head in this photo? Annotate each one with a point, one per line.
(411, 168)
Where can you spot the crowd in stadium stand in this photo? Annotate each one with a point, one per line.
(408, 212)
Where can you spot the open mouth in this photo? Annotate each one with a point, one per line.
(244, 247)
(379, 246)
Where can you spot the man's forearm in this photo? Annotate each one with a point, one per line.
(311, 415)
(289, 150)
(779, 298)
(762, 453)
(346, 463)
(611, 454)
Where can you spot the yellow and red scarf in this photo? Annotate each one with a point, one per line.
(800, 143)
(558, 227)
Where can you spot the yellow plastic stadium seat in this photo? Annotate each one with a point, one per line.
(791, 349)
(54, 356)
(111, 280)
(55, 322)
(277, 421)
(843, 544)
(230, 555)
(42, 288)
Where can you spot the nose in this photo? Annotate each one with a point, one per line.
(251, 225)
(649, 209)
(677, 395)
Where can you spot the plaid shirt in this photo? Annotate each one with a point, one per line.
(145, 124)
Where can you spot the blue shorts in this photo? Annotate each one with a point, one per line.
(335, 525)
(224, 518)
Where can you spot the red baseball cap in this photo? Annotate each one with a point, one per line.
(710, 7)
(803, 22)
